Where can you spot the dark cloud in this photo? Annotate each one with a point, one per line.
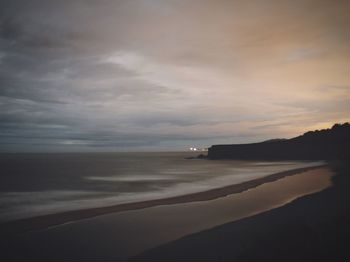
(114, 75)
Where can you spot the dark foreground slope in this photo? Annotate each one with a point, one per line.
(327, 144)
(312, 228)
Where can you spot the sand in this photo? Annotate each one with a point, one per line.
(119, 235)
(314, 227)
(45, 221)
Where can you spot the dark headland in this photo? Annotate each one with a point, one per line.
(326, 144)
(312, 228)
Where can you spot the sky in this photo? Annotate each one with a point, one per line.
(149, 75)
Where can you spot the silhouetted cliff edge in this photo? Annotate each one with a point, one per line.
(326, 144)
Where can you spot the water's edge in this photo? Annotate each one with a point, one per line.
(45, 221)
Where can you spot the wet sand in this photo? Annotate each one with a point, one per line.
(45, 221)
(117, 236)
(314, 227)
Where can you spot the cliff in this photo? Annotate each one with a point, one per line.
(326, 144)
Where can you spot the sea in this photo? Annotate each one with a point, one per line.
(38, 184)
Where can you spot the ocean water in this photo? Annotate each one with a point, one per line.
(37, 184)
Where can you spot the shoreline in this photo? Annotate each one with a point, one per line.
(56, 219)
(313, 227)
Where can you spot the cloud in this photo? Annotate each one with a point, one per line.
(149, 75)
(302, 54)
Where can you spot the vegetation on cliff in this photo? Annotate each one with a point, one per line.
(325, 144)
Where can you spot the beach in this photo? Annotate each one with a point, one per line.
(42, 222)
(116, 233)
(312, 228)
(34, 185)
(174, 131)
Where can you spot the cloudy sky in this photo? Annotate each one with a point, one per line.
(116, 75)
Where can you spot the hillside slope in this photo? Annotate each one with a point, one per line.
(326, 144)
